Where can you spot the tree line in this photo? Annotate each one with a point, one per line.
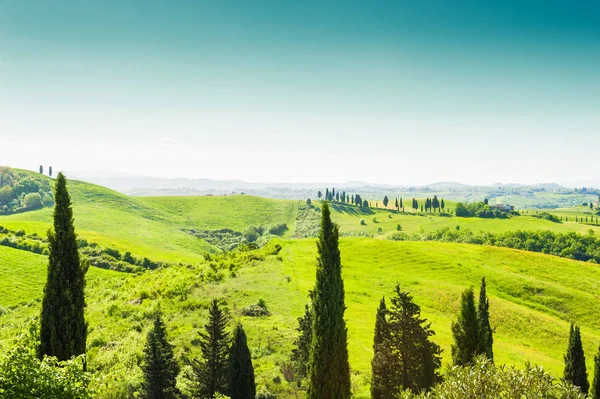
(428, 205)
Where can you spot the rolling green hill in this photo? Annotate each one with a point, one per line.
(533, 298)
(153, 227)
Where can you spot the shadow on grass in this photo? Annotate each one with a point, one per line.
(351, 209)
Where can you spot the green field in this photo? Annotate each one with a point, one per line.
(533, 296)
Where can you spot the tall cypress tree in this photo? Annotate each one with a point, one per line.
(329, 370)
(467, 338)
(485, 329)
(595, 388)
(160, 368)
(241, 371)
(63, 330)
(382, 370)
(575, 371)
(211, 374)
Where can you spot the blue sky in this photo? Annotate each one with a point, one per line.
(397, 92)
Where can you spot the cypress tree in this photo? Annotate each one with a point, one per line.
(382, 369)
(160, 368)
(241, 371)
(328, 369)
(595, 389)
(301, 352)
(575, 371)
(211, 375)
(63, 330)
(416, 359)
(483, 313)
(467, 339)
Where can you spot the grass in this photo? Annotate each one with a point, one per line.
(348, 217)
(153, 227)
(533, 296)
(533, 299)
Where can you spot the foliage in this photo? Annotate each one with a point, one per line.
(23, 375)
(485, 329)
(405, 357)
(478, 209)
(382, 371)
(328, 369)
(466, 332)
(241, 371)
(547, 216)
(210, 375)
(595, 388)
(63, 329)
(160, 368)
(484, 380)
(301, 352)
(258, 309)
(21, 191)
(575, 371)
(566, 245)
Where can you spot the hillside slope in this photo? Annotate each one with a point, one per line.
(154, 227)
(533, 298)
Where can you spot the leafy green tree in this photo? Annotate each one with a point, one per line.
(365, 204)
(319, 194)
(595, 388)
(301, 352)
(485, 329)
(382, 366)
(308, 202)
(241, 371)
(210, 376)
(442, 204)
(435, 202)
(416, 359)
(486, 202)
(50, 171)
(575, 371)
(337, 197)
(401, 206)
(41, 170)
(33, 201)
(160, 368)
(63, 329)
(467, 338)
(6, 194)
(385, 201)
(397, 204)
(329, 370)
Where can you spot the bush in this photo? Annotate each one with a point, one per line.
(485, 380)
(398, 228)
(23, 375)
(362, 222)
(258, 309)
(33, 201)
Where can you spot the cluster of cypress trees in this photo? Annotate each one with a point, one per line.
(472, 332)
(225, 367)
(404, 356)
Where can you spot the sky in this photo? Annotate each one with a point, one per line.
(397, 92)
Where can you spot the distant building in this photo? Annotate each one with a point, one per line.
(503, 207)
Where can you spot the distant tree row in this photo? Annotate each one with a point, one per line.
(49, 170)
(336, 196)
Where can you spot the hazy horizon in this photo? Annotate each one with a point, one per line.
(397, 93)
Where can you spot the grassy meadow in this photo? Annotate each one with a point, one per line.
(533, 296)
